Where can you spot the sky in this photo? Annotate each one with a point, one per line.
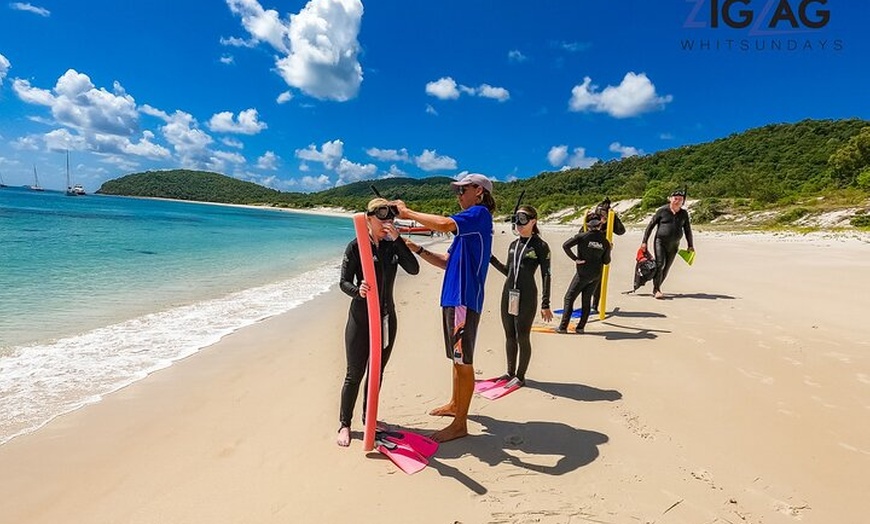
(305, 96)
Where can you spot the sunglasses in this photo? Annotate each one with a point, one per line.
(460, 190)
(522, 219)
(384, 212)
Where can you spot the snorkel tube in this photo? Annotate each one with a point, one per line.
(514, 215)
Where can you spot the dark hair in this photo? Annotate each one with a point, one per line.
(486, 199)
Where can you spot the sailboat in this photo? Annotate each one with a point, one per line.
(2, 184)
(76, 190)
(36, 186)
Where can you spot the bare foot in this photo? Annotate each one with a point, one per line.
(451, 432)
(659, 295)
(447, 410)
(343, 438)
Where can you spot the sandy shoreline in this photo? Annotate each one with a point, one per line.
(742, 398)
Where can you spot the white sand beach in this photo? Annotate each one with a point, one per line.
(744, 397)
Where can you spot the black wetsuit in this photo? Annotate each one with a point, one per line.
(671, 227)
(388, 255)
(594, 249)
(618, 229)
(530, 253)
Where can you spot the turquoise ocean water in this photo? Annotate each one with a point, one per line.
(97, 292)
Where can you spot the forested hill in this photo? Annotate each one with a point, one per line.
(182, 184)
(774, 164)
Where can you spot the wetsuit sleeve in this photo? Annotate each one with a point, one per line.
(542, 250)
(618, 226)
(350, 268)
(496, 263)
(406, 259)
(652, 224)
(687, 229)
(571, 242)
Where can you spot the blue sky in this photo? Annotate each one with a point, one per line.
(303, 96)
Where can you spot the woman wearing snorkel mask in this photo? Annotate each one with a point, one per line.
(389, 254)
(519, 298)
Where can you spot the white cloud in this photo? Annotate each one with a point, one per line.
(498, 93)
(238, 42)
(5, 65)
(227, 59)
(147, 148)
(232, 142)
(284, 97)
(352, 172)
(443, 88)
(27, 143)
(558, 157)
(431, 110)
(30, 8)
(247, 122)
(635, 95)
(329, 154)
(395, 171)
(264, 25)
(182, 131)
(625, 151)
(388, 155)
(318, 47)
(446, 88)
(516, 56)
(222, 162)
(78, 104)
(431, 161)
(62, 140)
(310, 183)
(268, 162)
(574, 47)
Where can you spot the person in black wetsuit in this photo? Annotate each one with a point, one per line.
(602, 211)
(593, 252)
(389, 252)
(671, 222)
(525, 255)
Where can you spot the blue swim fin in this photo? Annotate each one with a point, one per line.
(405, 458)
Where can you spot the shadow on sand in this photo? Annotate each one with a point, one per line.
(520, 444)
(578, 392)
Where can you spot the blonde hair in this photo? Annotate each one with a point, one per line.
(376, 203)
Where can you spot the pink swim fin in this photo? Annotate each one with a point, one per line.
(503, 389)
(423, 445)
(405, 458)
(482, 385)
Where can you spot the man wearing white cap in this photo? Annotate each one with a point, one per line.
(465, 264)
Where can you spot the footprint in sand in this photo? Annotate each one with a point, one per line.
(810, 382)
(853, 448)
(764, 379)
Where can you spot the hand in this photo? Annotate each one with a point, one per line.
(390, 231)
(403, 209)
(547, 315)
(643, 246)
(363, 289)
(411, 244)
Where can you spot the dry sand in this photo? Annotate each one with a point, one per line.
(742, 398)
